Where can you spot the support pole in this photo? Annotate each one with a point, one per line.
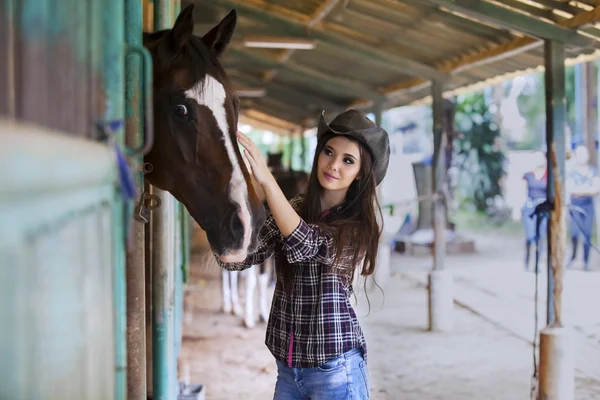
(163, 262)
(135, 270)
(163, 266)
(441, 300)
(557, 380)
(384, 253)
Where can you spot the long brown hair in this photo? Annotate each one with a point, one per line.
(354, 225)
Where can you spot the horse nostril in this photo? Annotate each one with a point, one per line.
(235, 224)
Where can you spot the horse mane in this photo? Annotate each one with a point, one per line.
(196, 56)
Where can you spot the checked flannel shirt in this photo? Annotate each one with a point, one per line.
(315, 322)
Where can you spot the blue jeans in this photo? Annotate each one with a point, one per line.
(342, 378)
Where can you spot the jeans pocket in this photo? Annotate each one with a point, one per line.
(332, 365)
(365, 374)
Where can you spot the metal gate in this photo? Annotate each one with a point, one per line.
(62, 287)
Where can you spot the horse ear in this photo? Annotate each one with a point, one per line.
(219, 37)
(183, 29)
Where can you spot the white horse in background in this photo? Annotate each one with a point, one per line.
(231, 301)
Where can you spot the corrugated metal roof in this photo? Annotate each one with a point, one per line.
(386, 50)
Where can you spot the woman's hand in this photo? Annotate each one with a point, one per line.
(257, 162)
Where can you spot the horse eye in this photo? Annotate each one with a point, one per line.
(180, 110)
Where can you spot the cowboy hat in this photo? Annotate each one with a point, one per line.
(355, 124)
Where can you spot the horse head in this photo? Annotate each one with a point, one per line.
(195, 155)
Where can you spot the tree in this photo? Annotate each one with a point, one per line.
(479, 157)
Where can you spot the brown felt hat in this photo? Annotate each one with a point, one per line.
(355, 124)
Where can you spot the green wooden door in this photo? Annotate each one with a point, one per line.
(59, 213)
(62, 286)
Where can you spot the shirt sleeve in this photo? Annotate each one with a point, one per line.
(267, 239)
(309, 243)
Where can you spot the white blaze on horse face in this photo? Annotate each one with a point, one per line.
(211, 93)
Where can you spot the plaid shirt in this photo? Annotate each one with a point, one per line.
(316, 322)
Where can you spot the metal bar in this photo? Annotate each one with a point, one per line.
(438, 171)
(113, 23)
(185, 243)
(163, 263)
(134, 138)
(511, 19)
(298, 28)
(162, 293)
(554, 60)
(162, 14)
(590, 132)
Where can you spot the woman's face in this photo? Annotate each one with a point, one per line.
(338, 163)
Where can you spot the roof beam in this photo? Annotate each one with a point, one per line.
(261, 10)
(515, 20)
(260, 120)
(350, 87)
(286, 93)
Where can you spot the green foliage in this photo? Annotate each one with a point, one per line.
(479, 157)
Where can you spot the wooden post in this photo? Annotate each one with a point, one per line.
(441, 300)
(556, 349)
(136, 285)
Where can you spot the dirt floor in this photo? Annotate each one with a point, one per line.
(479, 359)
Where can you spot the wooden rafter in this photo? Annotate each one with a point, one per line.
(332, 33)
(510, 18)
(320, 13)
(487, 55)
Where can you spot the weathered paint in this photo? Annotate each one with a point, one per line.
(163, 266)
(113, 22)
(554, 59)
(62, 262)
(135, 271)
(56, 258)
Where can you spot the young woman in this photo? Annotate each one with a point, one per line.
(319, 240)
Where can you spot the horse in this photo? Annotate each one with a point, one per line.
(292, 183)
(195, 155)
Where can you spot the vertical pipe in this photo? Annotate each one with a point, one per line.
(438, 170)
(135, 272)
(590, 98)
(441, 300)
(163, 263)
(580, 103)
(554, 58)
(113, 79)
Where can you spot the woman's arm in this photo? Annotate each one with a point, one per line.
(302, 241)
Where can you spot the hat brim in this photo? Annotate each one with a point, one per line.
(324, 128)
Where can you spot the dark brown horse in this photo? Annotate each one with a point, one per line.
(195, 154)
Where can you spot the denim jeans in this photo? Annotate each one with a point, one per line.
(342, 378)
